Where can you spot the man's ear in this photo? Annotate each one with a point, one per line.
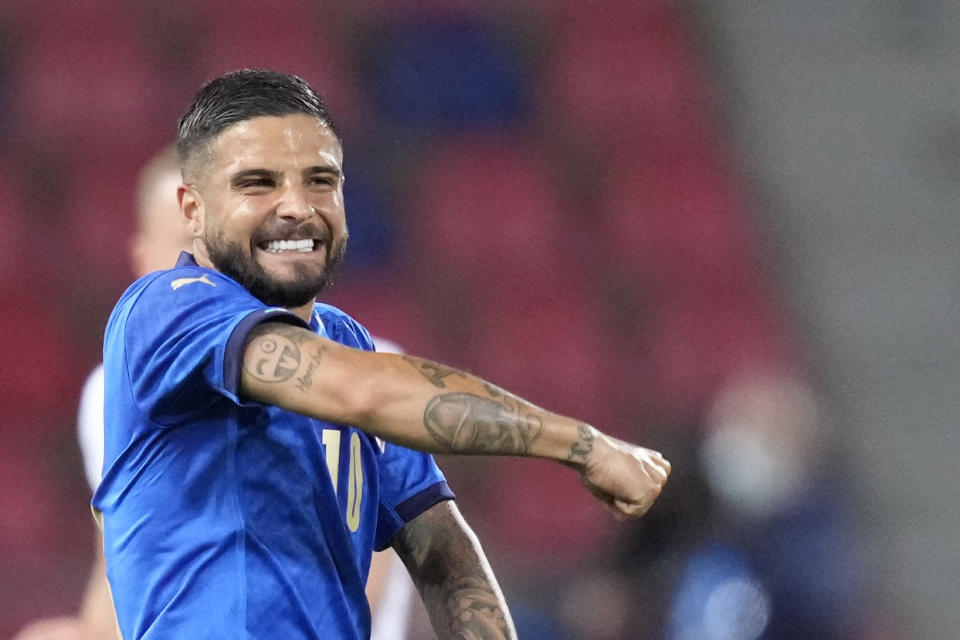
(192, 209)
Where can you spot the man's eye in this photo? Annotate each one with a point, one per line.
(323, 180)
(257, 182)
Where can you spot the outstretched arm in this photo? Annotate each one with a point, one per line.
(427, 406)
(451, 572)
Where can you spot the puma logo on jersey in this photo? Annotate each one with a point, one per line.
(179, 282)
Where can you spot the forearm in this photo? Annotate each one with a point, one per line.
(452, 574)
(455, 412)
(407, 400)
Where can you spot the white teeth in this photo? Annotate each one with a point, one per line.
(276, 246)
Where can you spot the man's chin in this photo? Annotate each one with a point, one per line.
(286, 294)
(291, 288)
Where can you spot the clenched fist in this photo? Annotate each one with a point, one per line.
(623, 476)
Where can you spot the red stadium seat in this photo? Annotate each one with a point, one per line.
(83, 78)
(540, 516)
(696, 345)
(623, 73)
(489, 212)
(101, 218)
(407, 9)
(301, 39)
(548, 346)
(677, 222)
(13, 217)
(43, 371)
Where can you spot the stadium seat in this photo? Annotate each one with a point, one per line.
(486, 211)
(405, 10)
(447, 74)
(540, 517)
(696, 345)
(82, 78)
(678, 221)
(243, 35)
(13, 258)
(371, 211)
(45, 371)
(623, 73)
(100, 218)
(548, 346)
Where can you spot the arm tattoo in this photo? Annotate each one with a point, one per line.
(448, 571)
(304, 381)
(466, 423)
(434, 372)
(581, 449)
(273, 354)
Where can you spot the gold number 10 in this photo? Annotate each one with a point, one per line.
(331, 443)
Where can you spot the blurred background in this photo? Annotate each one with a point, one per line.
(726, 230)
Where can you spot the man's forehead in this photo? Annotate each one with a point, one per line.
(298, 137)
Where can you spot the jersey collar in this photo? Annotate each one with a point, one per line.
(186, 259)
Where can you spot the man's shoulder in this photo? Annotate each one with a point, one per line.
(342, 328)
(171, 297)
(328, 311)
(181, 283)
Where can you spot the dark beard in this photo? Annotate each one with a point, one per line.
(231, 260)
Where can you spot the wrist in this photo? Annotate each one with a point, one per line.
(567, 441)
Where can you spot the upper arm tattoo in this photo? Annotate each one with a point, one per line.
(273, 354)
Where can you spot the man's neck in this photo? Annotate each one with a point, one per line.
(305, 312)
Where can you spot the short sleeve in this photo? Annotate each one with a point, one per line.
(410, 484)
(181, 337)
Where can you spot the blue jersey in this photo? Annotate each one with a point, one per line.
(225, 518)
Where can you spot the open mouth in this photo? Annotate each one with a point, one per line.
(290, 246)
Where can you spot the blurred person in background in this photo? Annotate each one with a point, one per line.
(782, 561)
(755, 543)
(263, 199)
(159, 238)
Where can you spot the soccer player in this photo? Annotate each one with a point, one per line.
(160, 236)
(257, 451)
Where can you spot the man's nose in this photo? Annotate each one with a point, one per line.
(294, 204)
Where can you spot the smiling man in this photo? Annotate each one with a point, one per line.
(257, 449)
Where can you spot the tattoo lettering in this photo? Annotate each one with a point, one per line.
(304, 381)
(581, 449)
(461, 598)
(466, 423)
(273, 352)
(434, 372)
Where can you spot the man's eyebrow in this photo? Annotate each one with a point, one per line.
(326, 168)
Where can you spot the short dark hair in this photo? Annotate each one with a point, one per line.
(242, 95)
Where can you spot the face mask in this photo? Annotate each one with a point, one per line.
(748, 472)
